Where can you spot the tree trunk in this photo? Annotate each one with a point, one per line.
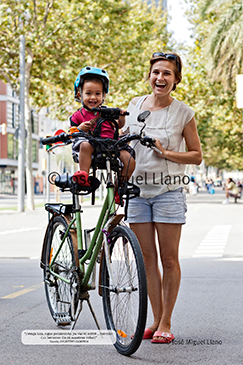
(28, 126)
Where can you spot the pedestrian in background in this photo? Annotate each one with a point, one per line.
(231, 189)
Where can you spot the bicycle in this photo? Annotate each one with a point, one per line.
(122, 276)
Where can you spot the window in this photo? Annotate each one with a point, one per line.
(12, 147)
(35, 150)
(12, 114)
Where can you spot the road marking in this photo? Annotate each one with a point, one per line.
(18, 286)
(24, 291)
(213, 245)
(20, 230)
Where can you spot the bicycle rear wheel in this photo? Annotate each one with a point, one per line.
(124, 290)
(58, 292)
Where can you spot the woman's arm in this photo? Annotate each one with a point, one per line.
(194, 152)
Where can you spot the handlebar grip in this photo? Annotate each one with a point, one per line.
(109, 111)
(53, 139)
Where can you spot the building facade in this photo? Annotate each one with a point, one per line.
(9, 122)
(42, 126)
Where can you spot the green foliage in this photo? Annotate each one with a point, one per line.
(219, 121)
(65, 36)
(219, 26)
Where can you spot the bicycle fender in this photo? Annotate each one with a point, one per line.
(44, 242)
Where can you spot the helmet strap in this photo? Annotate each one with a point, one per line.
(78, 100)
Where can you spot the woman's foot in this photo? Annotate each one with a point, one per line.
(162, 334)
(162, 337)
(148, 334)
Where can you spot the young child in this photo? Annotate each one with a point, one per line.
(91, 87)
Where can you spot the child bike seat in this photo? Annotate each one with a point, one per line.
(66, 182)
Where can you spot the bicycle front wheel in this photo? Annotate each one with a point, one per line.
(124, 290)
(58, 292)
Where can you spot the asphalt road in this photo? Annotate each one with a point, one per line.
(207, 319)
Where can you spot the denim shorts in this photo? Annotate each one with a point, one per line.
(169, 207)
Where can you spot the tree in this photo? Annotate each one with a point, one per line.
(223, 38)
(219, 121)
(63, 36)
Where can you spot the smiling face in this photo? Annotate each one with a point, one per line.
(92, 93)
(162, 77)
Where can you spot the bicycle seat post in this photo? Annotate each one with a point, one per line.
(76, 204)
(108, 168)
(110, 182)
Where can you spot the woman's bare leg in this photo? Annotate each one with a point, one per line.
(169, 238)
(145, 233)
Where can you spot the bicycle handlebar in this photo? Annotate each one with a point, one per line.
(67, 138)
(63, 137)
(109, 113)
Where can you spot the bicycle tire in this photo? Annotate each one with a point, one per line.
(58, 292)
(125, 294)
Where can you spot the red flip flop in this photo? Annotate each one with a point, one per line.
(166, 337)
(148, 334)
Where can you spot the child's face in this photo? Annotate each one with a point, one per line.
(92, 93)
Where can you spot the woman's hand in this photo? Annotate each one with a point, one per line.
(158, 145)
(122, 119)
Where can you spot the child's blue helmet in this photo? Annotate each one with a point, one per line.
(91, 71)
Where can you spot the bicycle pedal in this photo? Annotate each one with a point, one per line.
(49, 282)
(62, 319)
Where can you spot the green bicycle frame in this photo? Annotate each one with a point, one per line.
(108, 209)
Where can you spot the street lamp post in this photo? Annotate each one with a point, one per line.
(239, 91)
(239, 96)
(21, 136)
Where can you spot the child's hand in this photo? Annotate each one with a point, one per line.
(94, 120)
(86, 126)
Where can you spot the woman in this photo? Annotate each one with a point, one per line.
(161, 207)
(231, 189)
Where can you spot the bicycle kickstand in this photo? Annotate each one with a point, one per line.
(78, 311)
(93, 314)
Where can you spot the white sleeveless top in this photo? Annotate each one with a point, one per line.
(155, 175)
